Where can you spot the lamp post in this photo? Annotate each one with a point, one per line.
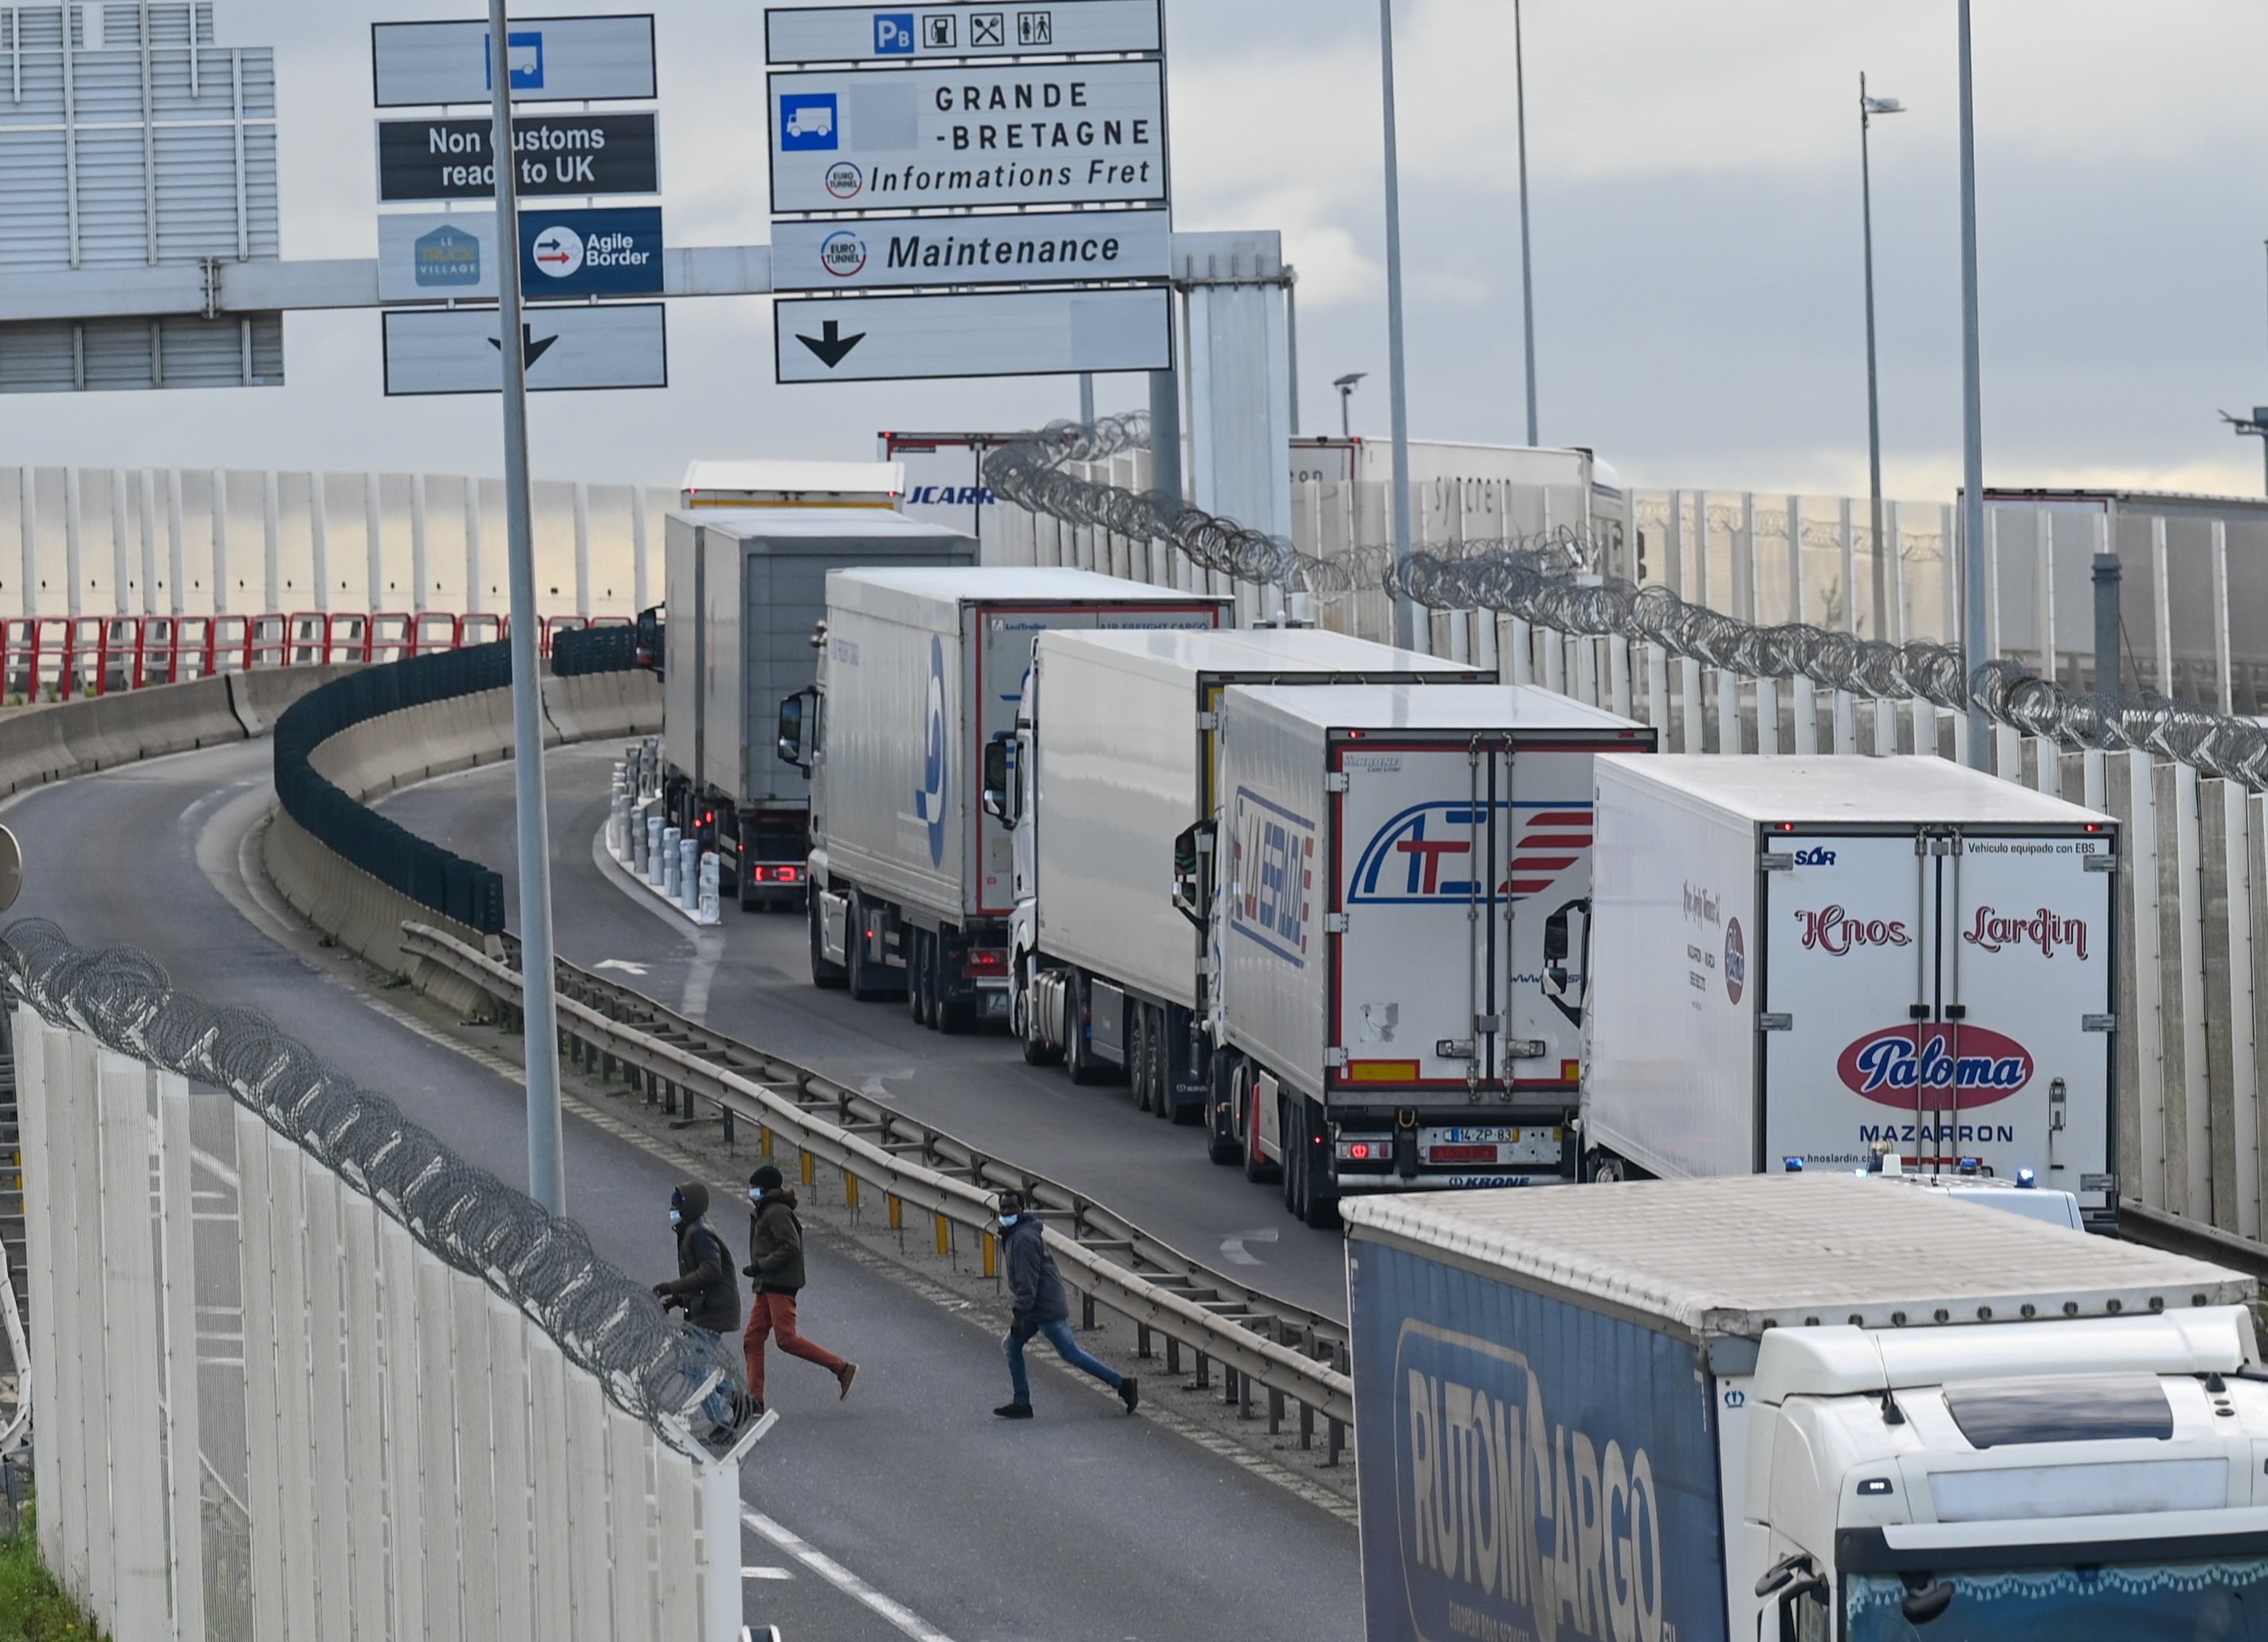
(1869, 107)
(1405, 620)
(1526, 268)
(1972, 419)
(1346, 386)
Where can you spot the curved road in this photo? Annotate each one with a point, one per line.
(751, 978)
(906, 1511)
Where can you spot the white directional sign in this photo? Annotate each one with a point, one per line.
(1036, 133)
(896, 34)
(1008, 333)
(1038, 247)
(552, 59)
(435, 256)
(611, 345)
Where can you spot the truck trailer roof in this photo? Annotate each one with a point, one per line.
(1857, 790)
(1254, 651)
(1372, 707)
(746, 520)
(915, 595)
(1734, 1256)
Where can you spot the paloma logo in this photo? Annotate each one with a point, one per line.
(1895, 1063)
(2042, 929)
(1835, 931)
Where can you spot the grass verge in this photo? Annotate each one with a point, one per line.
(33, 1606)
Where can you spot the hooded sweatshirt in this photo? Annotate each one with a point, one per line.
(776, 1245)
(704, 1267)
(1032, 1276)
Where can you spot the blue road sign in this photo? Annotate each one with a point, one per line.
(448, 258)
(607, 252)
(524, 52)
(894, 34)
(808, 123)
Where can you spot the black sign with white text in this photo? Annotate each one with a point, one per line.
(448, 159)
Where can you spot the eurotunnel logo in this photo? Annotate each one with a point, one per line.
(1272, 877)
(447, 259)
(1426, 854)
(929, 802)
(1896, 1064)
(843, 254)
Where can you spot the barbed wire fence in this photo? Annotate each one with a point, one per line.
(658, 1369)
(1553, 580)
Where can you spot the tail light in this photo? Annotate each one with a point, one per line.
(987, 962)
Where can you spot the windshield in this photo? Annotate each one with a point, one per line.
(2165, 1602)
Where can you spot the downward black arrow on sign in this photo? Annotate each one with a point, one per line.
(530, 349)
(831, 345)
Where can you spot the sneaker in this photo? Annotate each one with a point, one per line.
(1130, 1393)
(849, 1373)
(1015, 1411)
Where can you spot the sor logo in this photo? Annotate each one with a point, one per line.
(1272, 877)
(929, 799)
(1893, 1065)
(1815, 857)
(1835, 931)
(843, 254)
(1736, 962)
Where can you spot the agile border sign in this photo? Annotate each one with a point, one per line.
(578, 154)
(1030, 133)
(899, 33)
(878, 253)
(611, 253)
(551, 59)
(1001, 333)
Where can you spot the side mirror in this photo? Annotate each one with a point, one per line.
(1804, 1616)
(1193, 872)
(1567, 958)
(651, 640)
(999, 801)
(794, 715)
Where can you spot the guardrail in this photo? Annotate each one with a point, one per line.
(1296, 1356)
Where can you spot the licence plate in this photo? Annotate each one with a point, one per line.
(1463, 1136)
(1462, 1154)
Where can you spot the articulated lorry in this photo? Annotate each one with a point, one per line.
(747, 556)
(920, 672)
(1120, 732)
(1396, 889)
(1818, 960)
(1797, 1409)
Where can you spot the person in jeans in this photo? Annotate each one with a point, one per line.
(1041, 1311)
(776, 1266)
(704, 1289)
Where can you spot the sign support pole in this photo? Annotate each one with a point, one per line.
(1405, 615)
(547, 1172)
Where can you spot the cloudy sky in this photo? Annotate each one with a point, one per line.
(1696, 207)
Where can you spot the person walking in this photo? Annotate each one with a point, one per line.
(776, 1266)
(1043, 1311)
(704, 1289)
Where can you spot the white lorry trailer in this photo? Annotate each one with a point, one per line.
(1120, 732)
(1797, 1409)
(747, 557)
(1818, 959)
(912, 882)
(1397, 911)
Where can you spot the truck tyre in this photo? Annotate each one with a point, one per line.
(1161, 1069)
(1078, 1054)
(1257, 1170)
(1219, 1112)
(869, 981)
(917, 976)
(1137, 1055)
(1291, 1129)
(824, 974)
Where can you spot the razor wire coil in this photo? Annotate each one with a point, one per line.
(656, 1368)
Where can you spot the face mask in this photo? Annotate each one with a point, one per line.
(676, 1218)
(1007, 1220)
(755, 1194)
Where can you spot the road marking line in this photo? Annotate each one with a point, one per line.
(766, 1573)
(842, 1579)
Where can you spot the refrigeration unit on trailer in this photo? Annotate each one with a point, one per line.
(1797, 1409)
(1817, 961)
(921, 670)
(746, 562)
(1399, 893)
(1120, 732)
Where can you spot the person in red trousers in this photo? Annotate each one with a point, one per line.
(776, 1266)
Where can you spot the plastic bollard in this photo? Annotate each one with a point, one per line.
(689, 874)
(638, 849)
(654, 826)
(672, 856)
(712, 901)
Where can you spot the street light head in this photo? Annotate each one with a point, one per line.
(1884, 106)
(1346, 382)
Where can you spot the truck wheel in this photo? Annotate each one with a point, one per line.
(1257, 1170)
(1137, 1055)
(1291, 1129)
(1161, 1069)
(917, 972)
(823, 974)
(1219, 1111)
(1319, 1203)
(1078, 1053)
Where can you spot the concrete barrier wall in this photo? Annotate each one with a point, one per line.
(77, 738)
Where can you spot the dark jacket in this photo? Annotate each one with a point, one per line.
(776, 1245)
(1032, 1277)
(704, 1268)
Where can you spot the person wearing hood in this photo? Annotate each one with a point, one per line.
(704, 1289)
(1043, 1311)
(776, 1266)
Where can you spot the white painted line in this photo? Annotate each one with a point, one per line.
(766, 1573)
(842, 1579)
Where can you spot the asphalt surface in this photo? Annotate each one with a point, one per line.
(906, 1510)
(751, 978)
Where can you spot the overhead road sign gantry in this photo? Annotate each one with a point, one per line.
(1007, 333)
(575, 348)
(1023, 249)
(1027, 134)
(898, 33)
(444, 158)
(436, 256)
(551, 59)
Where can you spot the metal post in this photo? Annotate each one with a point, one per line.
(1526, 267)
(1086, 399)
(1165, 435)
(1292, 342)
(1874, 395)
(1972, 415)
(1404, 617)
(547, 1169)
(2106, 623)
